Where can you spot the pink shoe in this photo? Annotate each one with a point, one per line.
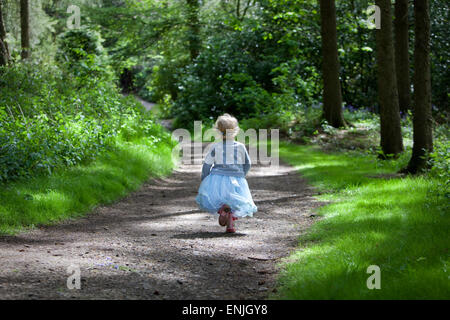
(230, 224)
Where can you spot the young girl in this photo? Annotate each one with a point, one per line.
(224, 189)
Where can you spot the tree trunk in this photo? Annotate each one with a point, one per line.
(194, 28)
(4, 50)
(401, 25)
(391, 135)
(332, 96)
(25, 28)
(422, 120)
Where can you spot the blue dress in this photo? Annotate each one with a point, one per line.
(223, 180)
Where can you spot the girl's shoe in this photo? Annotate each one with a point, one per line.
(230, 224)
(231, 230)
(224, 212)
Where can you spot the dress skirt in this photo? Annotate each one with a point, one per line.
(217, 190)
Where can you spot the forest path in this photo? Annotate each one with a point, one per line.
(166, 123)
(146, 104)
(156, 244)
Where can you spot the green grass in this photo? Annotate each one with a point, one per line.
(399, 224)
(77, 190)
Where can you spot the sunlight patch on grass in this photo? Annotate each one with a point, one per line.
(396, 224)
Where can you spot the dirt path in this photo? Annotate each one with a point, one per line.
(146, 104)
(156, 244)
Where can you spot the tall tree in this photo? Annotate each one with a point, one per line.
(25, 28)
(401, 26)
(422, 118)
(4, 50)
(332, 96)
(193, 7)
(391, 135)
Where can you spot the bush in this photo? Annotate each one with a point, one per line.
(81, 51)
(163, 80)
(280, 121)
(227, 76)
(47, 121)
(240, 72)
(439, 161)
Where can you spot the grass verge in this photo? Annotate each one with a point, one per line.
(77, 190)
(400, 224)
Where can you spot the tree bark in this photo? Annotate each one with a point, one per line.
(25, 28)
(332, 95)
(390, 129)
(422, 117)
(193, 8)
(4, 50)
(401, 26)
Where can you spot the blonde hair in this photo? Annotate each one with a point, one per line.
(227, 125)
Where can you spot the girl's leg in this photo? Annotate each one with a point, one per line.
(230, 223)
(224, 211)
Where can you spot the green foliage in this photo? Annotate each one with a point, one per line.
(49, 121)
(439, 161)
(162, 81)
(81, 51)
(356, 46)
(75, 45)
(42, 26)
(139, 35)
(440, 158)
(265, 62)
(266, 56)
(440, 58)
(269, 64)
(165, 106)
(227, 76)
(281, 121)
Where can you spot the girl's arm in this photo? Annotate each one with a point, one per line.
(206, 169)
(208, 163)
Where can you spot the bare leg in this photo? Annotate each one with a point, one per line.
(230, 224)
(224, 211)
